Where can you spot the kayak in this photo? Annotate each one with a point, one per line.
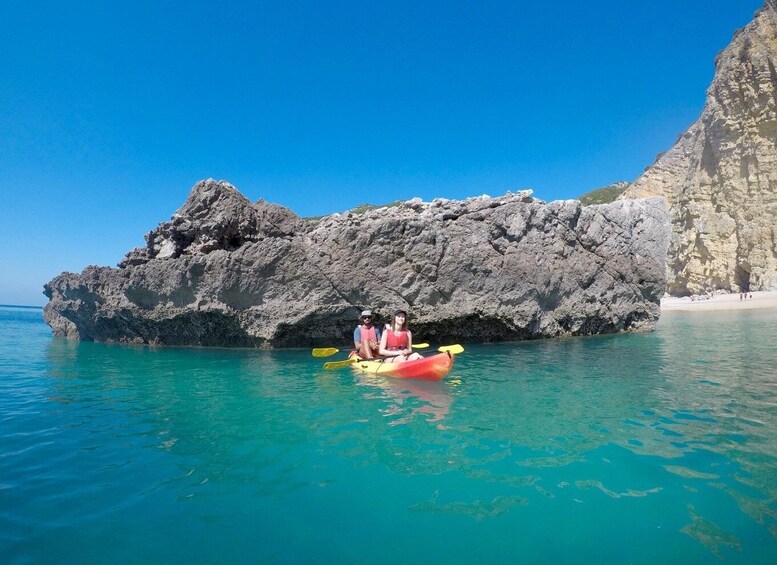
(432, 368)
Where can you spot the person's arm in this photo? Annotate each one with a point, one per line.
(357, 337)
(409, 349)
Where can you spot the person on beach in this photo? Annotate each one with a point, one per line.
(366, 337)
(396, 344)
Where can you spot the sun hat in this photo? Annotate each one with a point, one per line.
(366, 313)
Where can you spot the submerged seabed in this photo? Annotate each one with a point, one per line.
(658, 447)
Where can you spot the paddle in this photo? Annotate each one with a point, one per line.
(452, 349)
(329, 351)
(340, 364)
(324, 351)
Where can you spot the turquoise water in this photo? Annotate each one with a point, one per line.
(659, 447)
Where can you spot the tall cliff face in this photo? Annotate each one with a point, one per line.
(720, 177)
(227, 272)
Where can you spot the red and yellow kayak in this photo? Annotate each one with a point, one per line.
(432, 368)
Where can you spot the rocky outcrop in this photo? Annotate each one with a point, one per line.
(720, 177)
(227, 272)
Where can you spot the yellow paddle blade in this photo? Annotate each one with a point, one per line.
(339, 364)
(452, 349)
(420, 345)
(324, 351)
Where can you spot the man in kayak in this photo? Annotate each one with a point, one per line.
(397, 341)
(366, 337)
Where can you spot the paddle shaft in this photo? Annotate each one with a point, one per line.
(329, 351)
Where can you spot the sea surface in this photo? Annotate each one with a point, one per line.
(645, 448)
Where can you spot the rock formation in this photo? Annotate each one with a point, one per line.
(224, 271)
(720, 177)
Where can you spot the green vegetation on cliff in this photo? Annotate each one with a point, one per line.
(604, 195)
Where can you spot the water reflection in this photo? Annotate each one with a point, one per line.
(409, 398)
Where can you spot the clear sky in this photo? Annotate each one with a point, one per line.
(111, 111)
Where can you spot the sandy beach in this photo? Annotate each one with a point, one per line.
(762, 299)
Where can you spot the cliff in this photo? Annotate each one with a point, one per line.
(227, 272)
(720, 177)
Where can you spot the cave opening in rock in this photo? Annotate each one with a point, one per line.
(742, 278)
(234, 243)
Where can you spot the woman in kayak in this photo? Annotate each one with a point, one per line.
(396, 343)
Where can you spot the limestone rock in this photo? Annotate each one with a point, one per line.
(214, 216)
(720, 177)
(226, 272)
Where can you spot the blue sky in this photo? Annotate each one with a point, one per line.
(110, 112)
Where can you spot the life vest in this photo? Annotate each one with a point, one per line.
(367, 333)
(395, 342)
